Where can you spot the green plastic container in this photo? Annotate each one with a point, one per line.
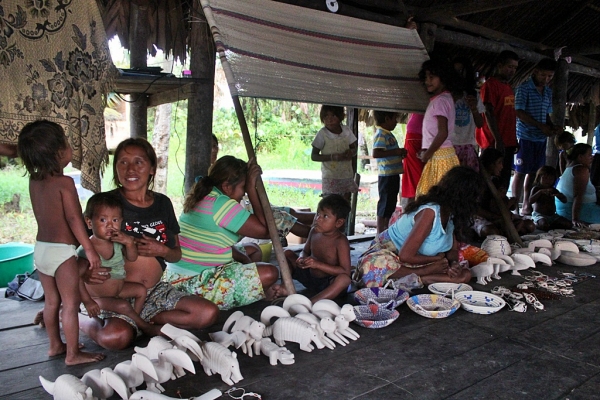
(15, 258)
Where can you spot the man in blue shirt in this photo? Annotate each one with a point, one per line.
(533, 104)
(595, 172)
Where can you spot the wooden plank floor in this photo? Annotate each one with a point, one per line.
(553, 354)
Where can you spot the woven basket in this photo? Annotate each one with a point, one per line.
(381, 296)
(433, 305)
(375, 315)
(480, 302)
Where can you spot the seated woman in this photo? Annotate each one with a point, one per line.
(423, 240)
(212, 221)
(582, 200)
(488, 218)
(148, 216)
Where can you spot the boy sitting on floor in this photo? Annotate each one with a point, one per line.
(324, 264)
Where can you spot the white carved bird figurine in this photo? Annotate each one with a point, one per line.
(67, 387)
(132, 371)
(104, 383)
(156, 344)
(163, 366)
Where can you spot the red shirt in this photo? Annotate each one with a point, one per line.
(501, 96)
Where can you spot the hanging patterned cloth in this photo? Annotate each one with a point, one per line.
(55, 65)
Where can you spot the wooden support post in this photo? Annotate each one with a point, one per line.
(138, 109)
(559, 107)
(507, 224)
(286, 274)
(352, 120)
(591, 124)
(200, 103)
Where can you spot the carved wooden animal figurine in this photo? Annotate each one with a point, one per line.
(274, 352)
(330, 328)
(155, 345)
(67, 387)
(174, 332)
(314, 320)
(220, 360)
(252, 328)
(148, 395)
(343, 328)
(132, 371)
(191, 348)
(329, 308)
(295, 330)
(163, 366)
(104, 383)
(225, 339)
(482, 271)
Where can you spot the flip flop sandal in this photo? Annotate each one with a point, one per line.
(517, 306)
(516, 296)
(500, 291)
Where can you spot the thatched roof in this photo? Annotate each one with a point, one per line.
(476, 29)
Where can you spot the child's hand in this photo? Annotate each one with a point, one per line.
(121, 238)
(93, 309)
(309, 262)
(93, 258)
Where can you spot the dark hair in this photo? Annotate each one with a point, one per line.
(215, 140)
(337, 204)
(459, 192)
(226, 169)
(545, 170)
(489, 156)
(564, 137)
(380, 116)
(467, 76)
(506, 56)
(103, 199)
(578, 150)
(146, 147)
(338, 111)
(546, 64)
(443, 70)
(38, 146)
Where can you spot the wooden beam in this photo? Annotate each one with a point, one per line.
(173, 95)
(466, 7)
(491, 46)
(427, 34)
(390, 6)
(582, 50)
(138, 110)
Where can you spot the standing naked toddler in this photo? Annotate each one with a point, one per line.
(45, 152)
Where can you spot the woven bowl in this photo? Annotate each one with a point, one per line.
(381, 296)
(446, 288)
(432, 305)
(374, 315)
(480, 302)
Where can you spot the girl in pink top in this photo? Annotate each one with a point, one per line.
(437, 151)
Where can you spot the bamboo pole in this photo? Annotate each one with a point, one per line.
(509, 228)
(286, 275)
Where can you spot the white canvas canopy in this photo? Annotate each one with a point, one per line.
(280, 51)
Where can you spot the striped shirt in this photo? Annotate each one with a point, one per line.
(209, 230)
(536, 104)
(386, 140)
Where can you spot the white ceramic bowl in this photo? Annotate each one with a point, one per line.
(480, 302)
(446, 288)
(433, 305)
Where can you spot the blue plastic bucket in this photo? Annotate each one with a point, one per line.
(15, 258)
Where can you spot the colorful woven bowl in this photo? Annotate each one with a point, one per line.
(374, 315)
(433, 305)
(480, 302)
(381, 296)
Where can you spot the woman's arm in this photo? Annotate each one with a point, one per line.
(581, 177)
(150, 247)
(441, 136)
(409, 253)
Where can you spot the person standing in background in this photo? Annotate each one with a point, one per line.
(533, 105)
(498, 97)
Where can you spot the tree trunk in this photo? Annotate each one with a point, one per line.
(160, 142)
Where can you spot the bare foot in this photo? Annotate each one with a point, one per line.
(151, 330)
(83, 358)
(276, 291)
(61, 349)
(39, 319)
